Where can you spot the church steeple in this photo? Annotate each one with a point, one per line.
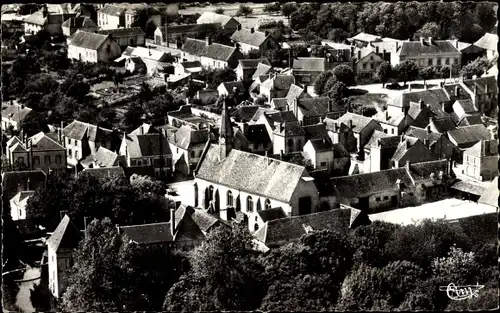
(226, 132)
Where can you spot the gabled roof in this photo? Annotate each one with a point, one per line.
(78, 130)
(111, 9)
(253, 63)
(190, 64)
(251, 173)
(22, 196)
(415, 148)
(248, 37)
(321, 145)
(282, 230)
(257, 134)
(152, 54)
(187, 137)
(480, 83)
(423, 170)
(271, 214)
(488, 41)
(289, 129)
(309, 64)
(415, 48)
(143, 129)
(469, 135)
(339, 151)
(262, 69)
(466, 105)
(88, 40)
(451, 89)
(214, 51)
(186, 28)
(491, 194)
(17, 147)
(36, 18)
(316, 131)
(147, 145)
(16, 112)
(80, 22)
(471, 120)
(106, 158)
(483, 148)
(384, 139)
(210, 17)
(366, 37)
(155, 233)
(314, 106)
(386, 118)
(359, 122)
(433, 97)
(273, 116)
(11, 181)
(443, 125)
(66, 235)
(422, 134)
(295, 92)
(279, 82)
(244, 112)
(231, 85)
(122, 32)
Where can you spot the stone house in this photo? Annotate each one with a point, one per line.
(411, 150)
(481, 160)
(393, 124)
(251, 39)
(438, 143)
(125, 37)
(311, 111)
(468, 136)
(210, 55)
(366, 63)
(187, 144)
(229, 24)
(379, 150)
(50, 18)
(361, 126)
(247, 67)
(178, 33)
(73, 24)
(489, 42)
(288, 138)
(92, 47)
(14, 114)
(276, 86)
(428, 52)
(483, 92)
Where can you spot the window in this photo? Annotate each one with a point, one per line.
(438, 62)
(429, 61)
(323, 163)
(467, 158)
(371, 58)
(70, 153)
(371, 66)
(364, 66)
(393, 130)
(58, 159)
(455, 61)
(377, 199)
(76, 155)
(268, 204)
(229, 198)
(139, 163)
(192, 154)
(290, 143)
(256, 227)
(177, 149)
(386, 198)
(385, 131)
(36, 160)
(20, 160)
(47, 159)
(447, 61)
(249, 204)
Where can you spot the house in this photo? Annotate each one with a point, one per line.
(177, 33)
(280, 231)
(148, 149)
(363, 39)
(92, 47)
(294, 93)
(412, 150)
(418, 114)
(229, 24)
(271, 119)
(184, 116)
(73, 24)
(231, 89)
(385, 48)
(18, 204)
(491, 194)
(50, 18)
(481, 160)
(247, 67)
(463, 108)
(192, 68)
(39, 152)
(441, 125)
(262, 69)
(226, 177)
(361, 126)
(251, 39)
(257, 136)
(470, 52)
(379, 151)
(155, 61)
(366, 63)
(111, 16)
(468, 136)
(483, 92)
(102, 158)
(342, 133)
(14, 114)
(122, 15)
(205, 221)
(325, 155)
(428, 52)
(133, 36)
(288, 137)
(276, 86)
(393, 124)
(438, 143)
(211, 55)
(263, 216)
(456, 92)
(311, 111)
(15, 182)
(437, 99)
(83, 139)
(306, 70)
(489, 42)
(187, 144)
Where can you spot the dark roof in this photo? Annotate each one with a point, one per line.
(271, 214)
(210, 17)
(467, 105)
(359, 122)
(469, 135)
(443, 125)
(251, 173)
(245, 112)
(451, 89)
(321, 145)
(433, 97)
(480, 83)
(471, 120)
(186, 28)
(246, 36)
(414, 148)
(111, 9)
(79, 22)
(147, 145)
(423, 170)
(292, 228)
(88, 40)
(78, 130)
(278, 82)
(231, 85)
(65, 236)
(12, 180)
(253, 63)
(36, 18)
(316, 131)
(190, 64)
(128, 51)
(16, 112)
(469, 187)
(415, 48)
(261, 69)
(422, 134)
(309, 64)
(289, 129)
(317, 106)
(339, 151)
(187, 137)
(122, 32)
(384, 139)
(296, 92)
(257, 134)
(214, 51)
(43, 142)
(149, 233)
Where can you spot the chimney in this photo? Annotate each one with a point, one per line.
(426, 142)
(430, 40)
(407, 165)
(376, 50)
(281, 155)
(352, 51)
(457, 91)
(252, 30)
(386, 115)
(208, 41)
(172, 221)
(350, 124)
(409, 87)
(359, 55)
(330, 105)
(422, 40)
(238, 27)
(421, 103)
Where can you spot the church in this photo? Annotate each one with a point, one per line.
(229, 182)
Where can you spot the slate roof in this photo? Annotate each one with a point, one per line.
(22, 195)
(289, 129)
(386, 118)
(15, 112)
(79, 22)
(416, 48)
(339, 151)
(153, 54)
(245, 36)
(42, 142)
(278, 82)
(316, 106)
(469, 187)
(106, 158)
(251, 173)
(295, 92)
(262, 69)
(214, 51)
(257, 134)
(292, 228)
(191, 64)
(443, 125)
(111, 9)
(143, 129)
(481, 83)
(36, 18)
(12, 180)
(452, 88)
(355, 186)
(433, 97)
(122, 32)
(245, 112)
(469, 135)
(489, 41)
(253, 63)
(385, 140)
(186, 28)
(366, 37)
(231, 85)
(491, 194)
(147, 145)
(66, 235)
(316, 131)
(210, 17)
(321, 145)
(483, 148)
(422, 134)
(309, 64)
(186, 137)
(470, 120)
(423, 170)
(359, 122)
(279, 103)
(78, 130)
(271, 214)
(88, 40)
(467, 105)
(149, 233)
(275, 117)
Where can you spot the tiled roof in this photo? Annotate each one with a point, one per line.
(483, 148)
(271, 214)
(253, 63)
(88, 40)
(321, 145)
(111, 9)
(316, 131)
(471, 120)
(152, 54)
(469, 187)
(469, 135)
(186, 137)
(78, 130)
(257, 134)
(204, 220)
(36, 18)
(191, 64)
(443, 125)
(292, 228)
(262, 69)
(143, 129)
(403, 147)
(451, 89)
(296, 92)
(289, 129)
(251, 173)
(385, 117)
(275, 117)
(279, 82)
(214, 51)
(480, 83)
(279, 103)
(415, 48)
(186, 28)
(433, 97)
(149, 233)
(16, 112)
(79, 22)
(11, 181)
(209, 17)
(467, 105)
(488, 41)
(370, 183)
(66, 235)
(147, 145)
(359, 122)
(490, 195)
(245, 36)
(366, 37)
(122, 32)
(423, 170)
(106, 158)
(41, 141)
(128, 51)
(245, 112)
(17, 147)
(385, 140)
(422, 134)
(316, 106)
(309, 64)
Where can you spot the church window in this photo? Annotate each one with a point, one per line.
(249, 204)
(290, 143)
(229, 198)
(268, 204)
(256, 227)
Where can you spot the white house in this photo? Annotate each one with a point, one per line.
(92, 47)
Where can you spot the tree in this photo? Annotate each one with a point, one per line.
(271, 8)
(244, 10)
(215, 32)
(345, 74)
(219, 11)
(253, 54)
(429, 29)
(337, 91)
(406, 71)
(384, 73)
(28, 8)
(117, 79)
(214, 77)
(141, 18)
(458, 267)
(33, 124)
(427, 73)
(223, 270)
(321, 80)
(288, 9)
(477, 67)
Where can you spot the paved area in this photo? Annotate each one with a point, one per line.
(448, 209)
